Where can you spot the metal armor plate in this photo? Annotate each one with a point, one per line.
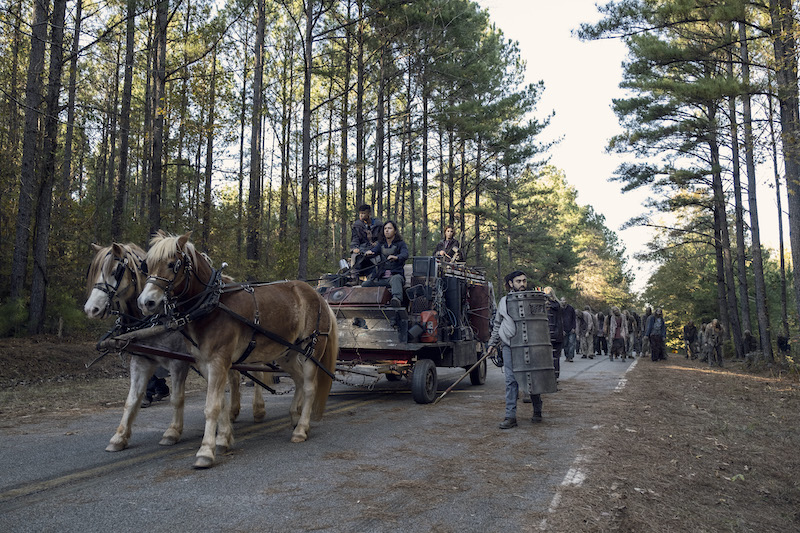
(531, 351)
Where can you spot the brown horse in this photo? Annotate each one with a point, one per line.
(298, 333)
(113, 284)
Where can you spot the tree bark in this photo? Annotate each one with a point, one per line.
(44, 207)
(764, 329)
(308, 57)
(125, 124)
(206, 237)
(360, 158)
(741, 268)
(783, 29)
(254, 196)
(719, 205)
(28, 178)
(66, 174)
(781, 251)
(159, 109)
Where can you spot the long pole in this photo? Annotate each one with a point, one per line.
(473, 367)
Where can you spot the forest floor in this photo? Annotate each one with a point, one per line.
(681, 447)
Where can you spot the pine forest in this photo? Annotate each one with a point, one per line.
(262, 125)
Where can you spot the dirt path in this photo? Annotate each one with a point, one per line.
(686, 448)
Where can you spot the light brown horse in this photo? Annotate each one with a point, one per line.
(261, 320)
(114, 281)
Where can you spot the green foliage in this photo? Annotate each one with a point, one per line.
(13, 317)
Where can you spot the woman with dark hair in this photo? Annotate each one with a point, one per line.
(392, 253)
(449, 248)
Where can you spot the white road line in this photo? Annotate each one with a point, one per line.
(575, 475)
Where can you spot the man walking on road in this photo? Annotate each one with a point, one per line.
(656, 331)
(503, 331)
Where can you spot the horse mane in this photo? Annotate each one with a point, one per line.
(96, 266)
(130, 250)
(164, 246)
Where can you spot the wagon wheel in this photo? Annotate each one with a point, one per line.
(478, 376)
(424, 381)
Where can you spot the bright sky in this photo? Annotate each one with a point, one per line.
(581, 79)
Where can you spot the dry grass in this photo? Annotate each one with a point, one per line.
(686, 448)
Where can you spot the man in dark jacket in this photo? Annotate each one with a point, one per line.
(364, 234)
(656, 331)
(569, 321)
(392, 253)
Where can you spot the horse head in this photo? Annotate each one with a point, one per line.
(113, 280)
(173, 268)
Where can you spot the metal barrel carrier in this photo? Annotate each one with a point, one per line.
(531, 351)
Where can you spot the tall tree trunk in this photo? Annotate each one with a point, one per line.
(240, 224)
(478, 167)
(764, 329)
(412, 200)
(379, 134)
(254, 196)
(111, 168)
(125, 124)
(28, 178)
(66, 173)
(741, 267)
(719, 204)
(783, 27)
(206, 238)
(13, 97)
(45, 200)
(781, 251)
(308, 57)
(343, 157)
(360, 137)
(287, 99)
(147, 140)
(159, 109)
(424, 190)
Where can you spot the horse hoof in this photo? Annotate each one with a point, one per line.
(115, 447)
(299, 437)
(203, 462)
(258, 417)
(168, 441)
(221, 449)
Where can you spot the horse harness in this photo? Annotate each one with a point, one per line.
(123, 266)
(209, 300)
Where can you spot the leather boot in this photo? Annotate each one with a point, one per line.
(508, 423)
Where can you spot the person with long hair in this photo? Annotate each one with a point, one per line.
(449, 248)
(392, 253)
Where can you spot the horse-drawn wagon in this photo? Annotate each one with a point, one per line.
(444, 321)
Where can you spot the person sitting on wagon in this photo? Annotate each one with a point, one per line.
(392, 253)
(449, 249)
(365, 233)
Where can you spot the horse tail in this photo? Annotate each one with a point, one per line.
(328, 360)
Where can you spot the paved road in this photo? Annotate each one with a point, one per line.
(376, 462)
